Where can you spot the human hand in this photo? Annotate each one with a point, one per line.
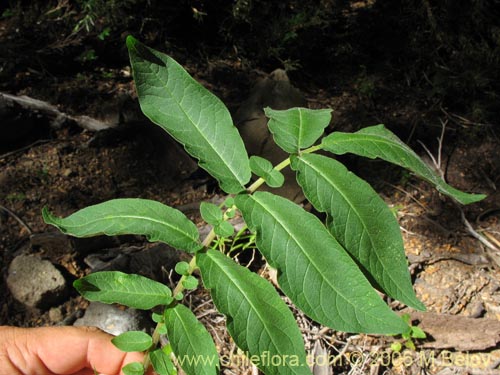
(60, 351)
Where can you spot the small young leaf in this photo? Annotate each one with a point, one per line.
(263, 168)
(182, 268)
(275, 179)
(155, 220)
(418, 333)
(133, 341)
(257, 318)
(297, 128)
(410, 345)
(133, 368)
(260, 166)
(313, 269)
(378, 142)
(157, 318)
(360, 220)
(229, 202)
(192, 344)
(179, 296)
(224, 229)
(171, 98)
(396, 347)
(162, 363)
(162, 330)
(134, 291)
(211, 213)
(190, 282)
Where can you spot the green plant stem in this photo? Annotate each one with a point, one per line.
(258, 183)
(178, 289)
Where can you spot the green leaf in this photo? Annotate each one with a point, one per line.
(192, 344)
(133, 368)
(179, 296)
(313, 269)
(211, 213)
(257, 318)
(157, 318)
(418, 333)
(133, 341)
(224, 229)
(378, 142)
(172, 99)
(229, 202)
(260, 166)
(190, 282)
(134, 291)
(182, 268)
(396, 347)
(162, 363)
(360, 220)
(263, 168)
(297, 128)
(152, 219)
(275, 179)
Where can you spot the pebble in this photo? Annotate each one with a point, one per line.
(114, 320)
(35, 282)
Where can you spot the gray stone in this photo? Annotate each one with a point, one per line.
(114, 320)
(35, 282)
(55, 314)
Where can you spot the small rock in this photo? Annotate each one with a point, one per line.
(35, 282)
(113, 320)
(55, 315)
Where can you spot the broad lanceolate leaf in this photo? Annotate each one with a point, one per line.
(378, 142)
(133, 341)
(297, 128)
(134, 291)
(192, 344)
(162, 363)
(313, 269)
(257, 318)
(155, 220)
(360, 221)
(171, 98)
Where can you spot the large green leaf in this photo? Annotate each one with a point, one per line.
(155, 220)
(297, 128)
(134, 291)
(360, 220)
(257, 318)
(378, 142)
(192, 344)
(172, 99)
(313, 269)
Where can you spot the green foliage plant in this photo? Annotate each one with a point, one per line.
(329, 270)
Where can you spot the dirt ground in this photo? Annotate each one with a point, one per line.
(454, 272)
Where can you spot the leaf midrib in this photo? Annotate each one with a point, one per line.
(394, 143)
(185, 328)
(165, 83)
(244, 294)
(144, 218)
(310, 261)
(363, 223)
